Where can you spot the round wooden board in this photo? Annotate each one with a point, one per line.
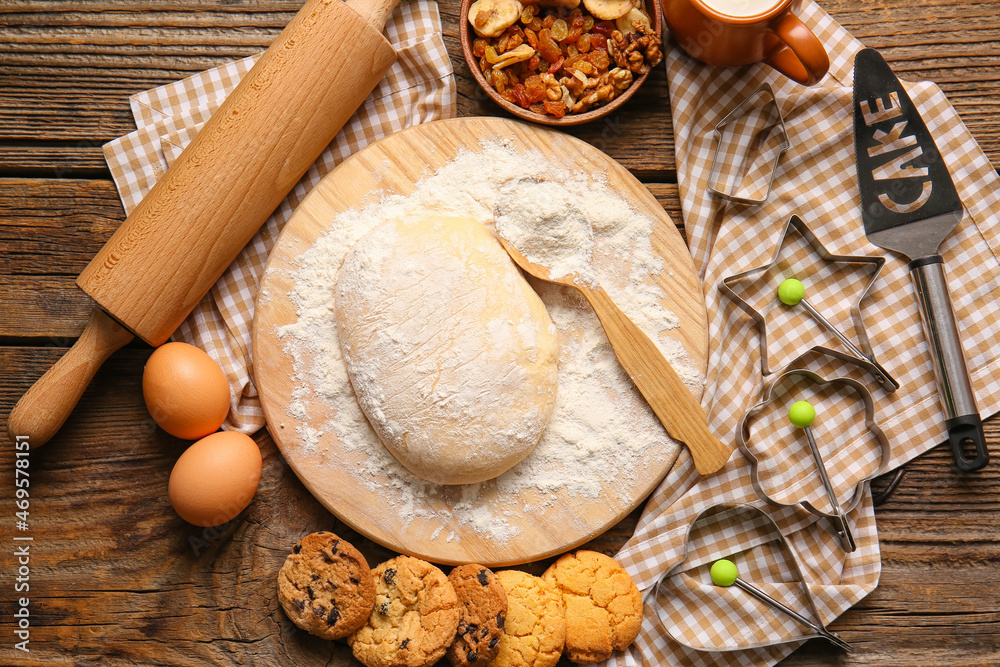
(394, 165)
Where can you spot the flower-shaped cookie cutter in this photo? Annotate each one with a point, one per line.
(796, 224)
(738, 112)
(885, 451)
(701, 630)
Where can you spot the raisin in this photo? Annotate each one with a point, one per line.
(403, 644)
(389, 576)
(559, 30)
(521, 96)
(557, 109)
(483, 576)
(547, 47)
(333, 616)
(532, 38)
(297, 549)
(599, 59)
(384, 608)
(605, 28)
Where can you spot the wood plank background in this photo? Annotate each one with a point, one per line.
(117, 578)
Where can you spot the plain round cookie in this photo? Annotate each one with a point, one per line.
(450, 352)
(483, 606)
(325, 586)
(414, 618)
(535, 631)
(603, 605)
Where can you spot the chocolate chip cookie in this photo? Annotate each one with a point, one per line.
(325, 586)
(415, 616)
(483, 606)
(603, 605)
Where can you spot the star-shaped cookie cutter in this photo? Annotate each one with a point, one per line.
(885, 451)
(737, 112)
(795, 222)
(710, 641)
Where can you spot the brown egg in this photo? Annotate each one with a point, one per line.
(186, 392)
(215, 478)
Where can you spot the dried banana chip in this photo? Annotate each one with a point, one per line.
(518, 55)
(489, 18)
(624, 23)
(608, 10)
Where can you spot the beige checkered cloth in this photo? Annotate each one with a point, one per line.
(816, 179)
(418, 88)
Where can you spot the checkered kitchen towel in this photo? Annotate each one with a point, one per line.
(418, 88)
(815, 179)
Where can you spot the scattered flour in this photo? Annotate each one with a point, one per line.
(541, 220)
(601, 430)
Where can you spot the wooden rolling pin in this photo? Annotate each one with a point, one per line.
(212, 200)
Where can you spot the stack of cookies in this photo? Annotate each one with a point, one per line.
(407, 613)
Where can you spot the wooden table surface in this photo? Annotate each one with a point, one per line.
(117, 578)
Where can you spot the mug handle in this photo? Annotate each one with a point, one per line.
(802, 57)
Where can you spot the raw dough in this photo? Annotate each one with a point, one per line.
(452, 355)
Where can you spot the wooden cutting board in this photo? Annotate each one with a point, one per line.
(534, 527)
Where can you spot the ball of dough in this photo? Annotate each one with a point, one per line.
(451, 353)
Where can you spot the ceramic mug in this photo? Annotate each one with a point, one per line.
(742, 32)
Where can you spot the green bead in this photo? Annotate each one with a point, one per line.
(724, 573)
(801, 414)
(791, 291)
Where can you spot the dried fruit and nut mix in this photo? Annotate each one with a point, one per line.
(555, 58)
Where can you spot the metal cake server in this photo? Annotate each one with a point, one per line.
(909, 205)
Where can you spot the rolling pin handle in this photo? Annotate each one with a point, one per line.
(42, 411)
(374, 11)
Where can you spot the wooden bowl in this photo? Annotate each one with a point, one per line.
(467, 35)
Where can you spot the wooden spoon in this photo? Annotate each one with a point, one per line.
(677, 409)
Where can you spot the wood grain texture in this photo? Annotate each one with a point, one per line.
(393, 166)
(44, 408)
(118, 579)
(110, 49)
